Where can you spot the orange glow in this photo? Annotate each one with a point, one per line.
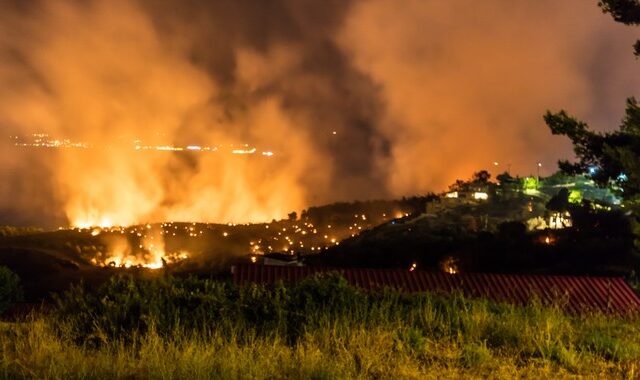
(149, 254)
(548, 240)
(146, 119)
(449, 265)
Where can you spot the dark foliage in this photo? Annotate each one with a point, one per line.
(624, 11)
(126, 307)
(559, 202)
(10, 289)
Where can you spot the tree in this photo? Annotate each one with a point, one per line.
(624, 11)
(559, 202)
(612, 159)
(481, 177)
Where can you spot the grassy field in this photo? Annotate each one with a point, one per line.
(321, 328)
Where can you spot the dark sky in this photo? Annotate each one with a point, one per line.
(356, 99)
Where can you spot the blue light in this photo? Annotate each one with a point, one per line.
(622, 177)
(593, 170)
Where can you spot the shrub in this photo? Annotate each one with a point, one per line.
(10, 289)
(325, 310)
(475, 354)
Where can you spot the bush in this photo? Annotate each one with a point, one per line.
(10, 289)
(325, 310)
(474, 354)
(126, 305)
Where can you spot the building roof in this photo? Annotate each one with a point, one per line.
(574, 293)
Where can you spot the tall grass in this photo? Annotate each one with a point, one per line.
(321, 328)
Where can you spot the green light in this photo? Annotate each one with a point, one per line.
(575, 196)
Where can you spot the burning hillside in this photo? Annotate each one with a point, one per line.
(135, 94)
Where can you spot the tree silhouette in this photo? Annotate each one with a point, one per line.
(482, 176)
(611, 158)
(624, 11)
(559, 202)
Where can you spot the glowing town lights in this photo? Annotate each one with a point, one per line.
(452, 194)
(254, 259)
(413, 267)
(560, 220)
(244, 151)
(480, 195)
(41, 140)
(225, 234)
(95, 232)
(334, 132)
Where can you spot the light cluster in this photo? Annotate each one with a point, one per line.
(43, 140)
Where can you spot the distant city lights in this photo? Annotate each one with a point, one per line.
(43, 140)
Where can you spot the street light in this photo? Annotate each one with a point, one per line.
(496, 164)
(538, 177)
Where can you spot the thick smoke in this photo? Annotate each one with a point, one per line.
(466, 82)
(356, 100)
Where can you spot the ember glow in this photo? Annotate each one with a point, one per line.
(137, 246)
(239, 111)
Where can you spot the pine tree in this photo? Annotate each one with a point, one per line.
(612, 159)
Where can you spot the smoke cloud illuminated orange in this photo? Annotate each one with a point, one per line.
(334, 101)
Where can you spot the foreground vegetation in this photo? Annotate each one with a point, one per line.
(320, 328)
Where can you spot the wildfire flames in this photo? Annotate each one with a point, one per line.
(140, 246)
(449, 265)
(140, 100)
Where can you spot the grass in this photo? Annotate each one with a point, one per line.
(319, 329)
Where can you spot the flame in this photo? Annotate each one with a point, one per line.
(150, 253)
(121, 186)
(450, 265)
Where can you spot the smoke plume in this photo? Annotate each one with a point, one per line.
(354, 99)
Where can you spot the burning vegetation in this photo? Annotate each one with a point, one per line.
(157, 245)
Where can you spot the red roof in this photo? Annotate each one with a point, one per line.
(576, 293)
